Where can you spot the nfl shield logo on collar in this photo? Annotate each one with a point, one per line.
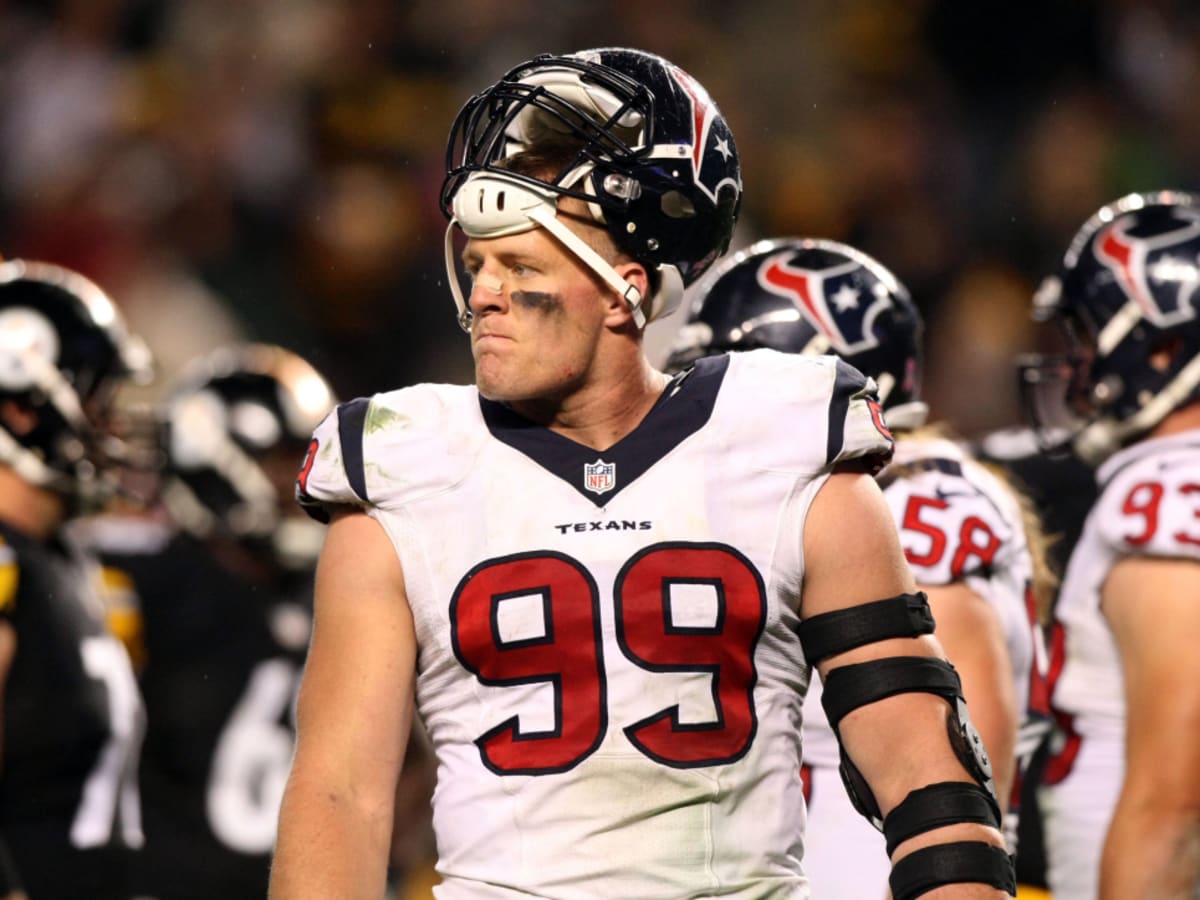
(599, 477)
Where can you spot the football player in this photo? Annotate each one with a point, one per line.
(963, 530)
(1061, 489)
(223, 584)
(69, 817)
(1121, 794)
(602, 587)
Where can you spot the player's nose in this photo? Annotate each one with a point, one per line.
(487, 291)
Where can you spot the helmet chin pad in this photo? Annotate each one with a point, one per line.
(492, 204)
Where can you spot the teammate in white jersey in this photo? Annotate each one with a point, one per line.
(1121, 797)
(963, 530)
(605, 586)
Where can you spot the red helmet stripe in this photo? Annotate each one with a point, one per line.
(1119, 253)
(702, 113)
(797, 284)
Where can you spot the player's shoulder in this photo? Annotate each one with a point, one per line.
(822, 409)
(1169, 459)
(956, 518)
(391, 447)
(1148, 500)
(947, 470)
(791, 377)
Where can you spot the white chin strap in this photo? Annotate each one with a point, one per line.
(492, 204)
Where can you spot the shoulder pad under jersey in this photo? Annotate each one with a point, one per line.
(390, 448)
(811, 412)
(1149, 502)
(955, 518)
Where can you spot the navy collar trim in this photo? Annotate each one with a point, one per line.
(682, 409)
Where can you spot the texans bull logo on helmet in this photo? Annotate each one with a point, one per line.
(812, 296)
(834, 300)
(1152, 268)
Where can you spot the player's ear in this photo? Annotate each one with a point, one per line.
(619, 310)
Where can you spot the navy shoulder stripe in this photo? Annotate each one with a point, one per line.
(848, 383)
(351, 421)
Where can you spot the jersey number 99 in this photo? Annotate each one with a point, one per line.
(568, 654)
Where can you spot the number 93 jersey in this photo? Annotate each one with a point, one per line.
(1149, 506)
(609, 667)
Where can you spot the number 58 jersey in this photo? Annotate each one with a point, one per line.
(608, 667)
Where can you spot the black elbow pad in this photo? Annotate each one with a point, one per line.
(852, 686)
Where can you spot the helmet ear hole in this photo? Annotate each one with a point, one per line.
(677, 206)
(1165, 352)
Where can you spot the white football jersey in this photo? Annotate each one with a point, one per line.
(609, 668)
(958, 523)
(1149, 505)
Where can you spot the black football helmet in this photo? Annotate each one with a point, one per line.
(812, 296)
(236, 424)
(654, 160)
(64, 350)
(1125, 300)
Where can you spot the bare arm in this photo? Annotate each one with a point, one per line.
(853, 556)
(353, 721)
(972, 637)
(1153, 845)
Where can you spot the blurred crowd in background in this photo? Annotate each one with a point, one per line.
(269, 169)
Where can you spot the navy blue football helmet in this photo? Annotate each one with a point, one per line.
(1125, 301)
(64, 351)
(236, 424)
(653, 158)
(812, 296)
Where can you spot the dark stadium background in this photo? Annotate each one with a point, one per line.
(269, 168)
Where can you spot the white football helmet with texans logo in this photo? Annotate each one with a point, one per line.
(656, 164)
(1125, 300)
